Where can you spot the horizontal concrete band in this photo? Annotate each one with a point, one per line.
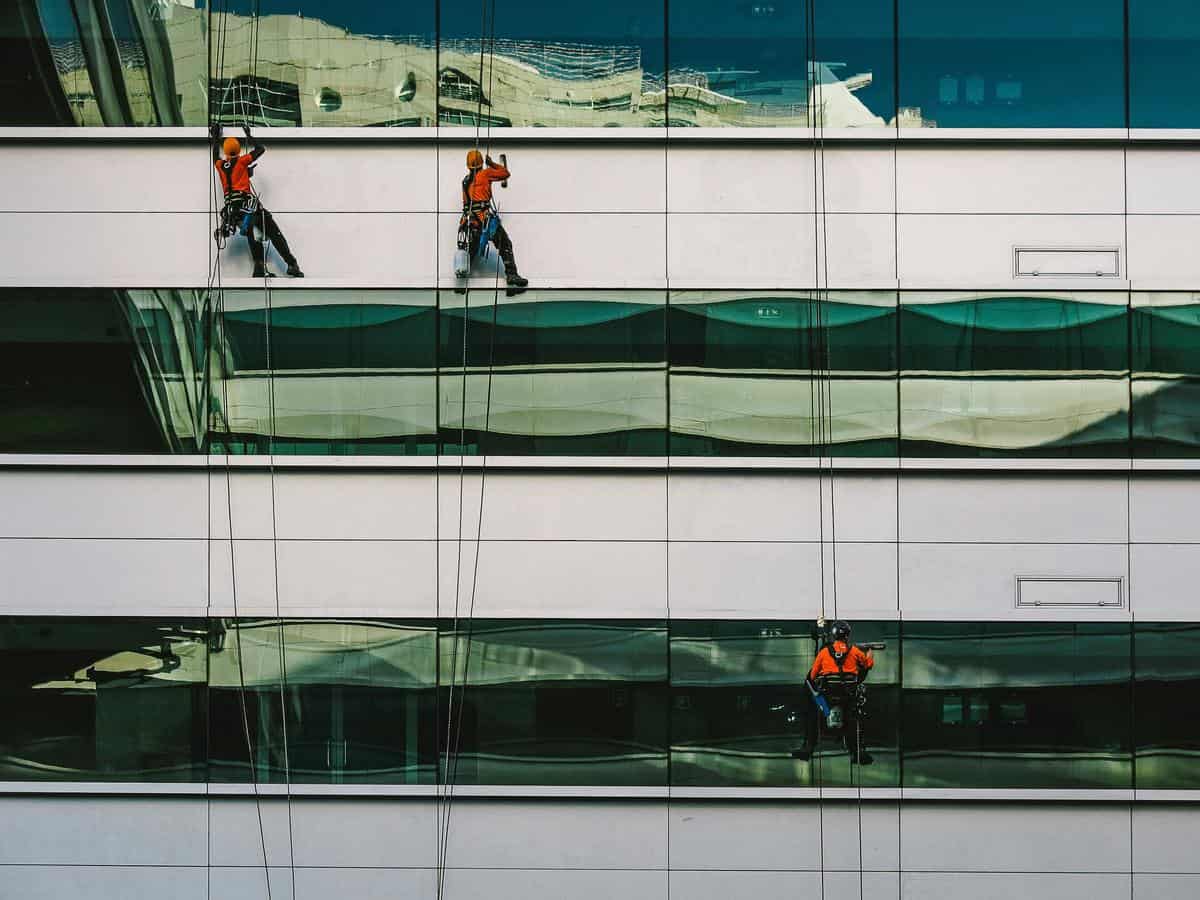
(590, 463)
(640, 136)
(585, 792)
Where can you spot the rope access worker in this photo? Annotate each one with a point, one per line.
(242, 212)
(479, 215)
(839, 657)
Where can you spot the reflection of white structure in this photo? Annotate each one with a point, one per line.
(293, 70)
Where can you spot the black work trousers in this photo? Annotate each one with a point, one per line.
(849, 730)
(501, 242)
(265, 222)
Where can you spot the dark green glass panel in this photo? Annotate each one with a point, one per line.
(1164, 40)
(1014, 334)
(747, 64)
(1037, 375)
(351, 373)
(359, 697)
(741, 715)
(1166, 375)
(575, 702)
(997, 705)
(359, 336)
(112, 699)
(1167, 663)
(554, 373)
(742, 382)
(1021, 64)
(69, 375)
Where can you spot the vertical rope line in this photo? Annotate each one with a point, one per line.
(218, 315)
(670, 775)
(816, 404)
(453, 721)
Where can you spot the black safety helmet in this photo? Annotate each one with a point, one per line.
(841, 631)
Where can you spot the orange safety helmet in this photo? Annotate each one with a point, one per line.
(232, 146)
(474, 159)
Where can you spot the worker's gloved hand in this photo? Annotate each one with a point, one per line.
(214, 132)
(489, 161)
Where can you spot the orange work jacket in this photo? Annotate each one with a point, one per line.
(235, 173)
(854, 661)
(477, 186)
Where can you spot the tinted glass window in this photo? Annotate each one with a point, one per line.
(571, 372)
(1021, 64)
(358, 695)
(1167, 659)
(350, 372)
(749, 64)
(72, 374)
(555, 702)
(1164, 39)
(1034, 375)
(1034, 705)
(568, 64)
(1166, 374)
(741, 714)
(742, 373)
(102, 699)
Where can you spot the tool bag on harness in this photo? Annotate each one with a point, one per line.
(237, 215)
(489, 221)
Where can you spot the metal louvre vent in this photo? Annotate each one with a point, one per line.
(1067, 262)
(1050, 591)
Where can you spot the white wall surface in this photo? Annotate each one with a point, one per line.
(129, 847)
(601, 215)
(611, 543)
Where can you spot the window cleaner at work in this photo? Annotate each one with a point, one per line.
(835, 682)
(242, 212)
(480, 222)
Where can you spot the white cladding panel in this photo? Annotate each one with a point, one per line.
(1013, 508)
(779, 179)
(778, 250)
(1010, 180)
(1162, 180)
(567, 250)
(550, 179)
(1162, 252)
(957, 252)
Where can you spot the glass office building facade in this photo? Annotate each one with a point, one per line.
(881, 311)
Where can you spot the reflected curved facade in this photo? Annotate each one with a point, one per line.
(712, 703)
(694, 63)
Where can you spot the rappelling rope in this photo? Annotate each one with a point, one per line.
(821, 382)
(271, 414)
(454, 716)
(217, 312)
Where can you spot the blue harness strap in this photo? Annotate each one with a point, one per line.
(490, 224)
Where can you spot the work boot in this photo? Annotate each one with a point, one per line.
(516, 284)
(804, 754)
(262, 272)
(293, 270)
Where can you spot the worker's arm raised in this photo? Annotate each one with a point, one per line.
(259, 149)
(495, 171)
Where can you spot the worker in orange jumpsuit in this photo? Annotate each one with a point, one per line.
(242, 211)
(838, 657)
(478, 214)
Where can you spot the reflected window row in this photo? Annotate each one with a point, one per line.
(601, 373)
(593, 702)
(628, 63)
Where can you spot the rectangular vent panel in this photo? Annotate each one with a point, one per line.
(1058, 591)
(1049, 262)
